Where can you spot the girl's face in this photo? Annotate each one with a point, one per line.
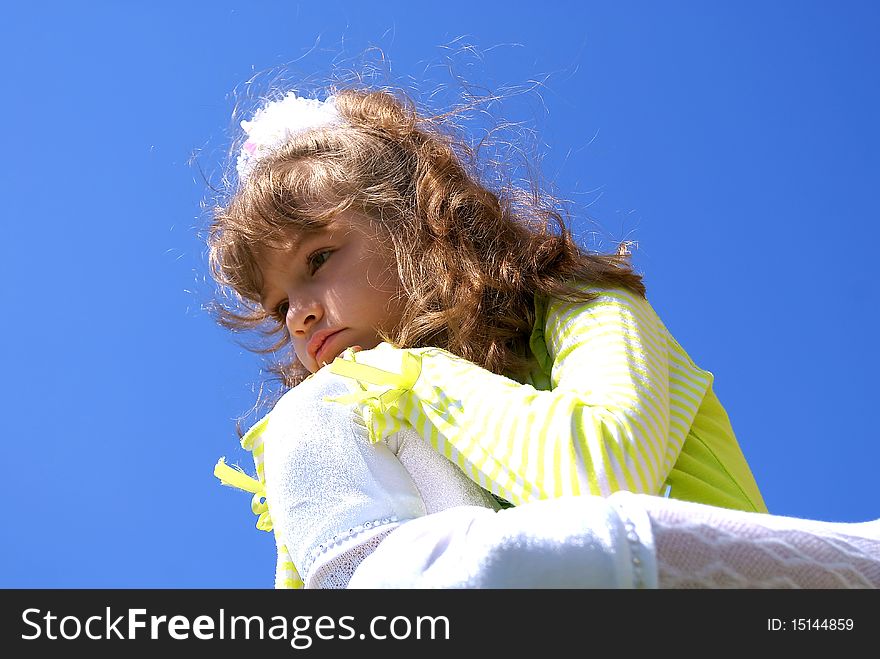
(332, 289)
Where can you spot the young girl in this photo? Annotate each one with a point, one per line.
(445, 341)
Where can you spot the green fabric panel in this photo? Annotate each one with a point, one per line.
(539, 376)
(711, 466)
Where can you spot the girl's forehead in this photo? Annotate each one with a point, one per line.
(291, 239)
(340, 224)
(349, 219)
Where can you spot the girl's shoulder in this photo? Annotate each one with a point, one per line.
(602, 309)
(594, 297)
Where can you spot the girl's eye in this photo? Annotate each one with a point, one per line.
(281, 311)
(317, 259)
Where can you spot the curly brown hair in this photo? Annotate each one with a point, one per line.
(470, 259)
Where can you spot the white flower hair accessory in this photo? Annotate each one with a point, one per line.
(278, 121)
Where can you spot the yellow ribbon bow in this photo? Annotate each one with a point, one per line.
(238, 479)
(397, 383)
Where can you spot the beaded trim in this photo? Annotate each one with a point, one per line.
(344, 537)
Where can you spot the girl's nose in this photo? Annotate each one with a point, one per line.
(302, 316)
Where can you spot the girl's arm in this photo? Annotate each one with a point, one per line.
(607, 424)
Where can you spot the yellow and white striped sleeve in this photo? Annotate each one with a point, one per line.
(603, 427)
(613, 354)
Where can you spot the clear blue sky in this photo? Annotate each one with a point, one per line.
(736, 142)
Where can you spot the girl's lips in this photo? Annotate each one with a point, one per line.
(323, 348)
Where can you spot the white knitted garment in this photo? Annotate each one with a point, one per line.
(441, 485)
(334, 495)
(567, 542)
(701, 546)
